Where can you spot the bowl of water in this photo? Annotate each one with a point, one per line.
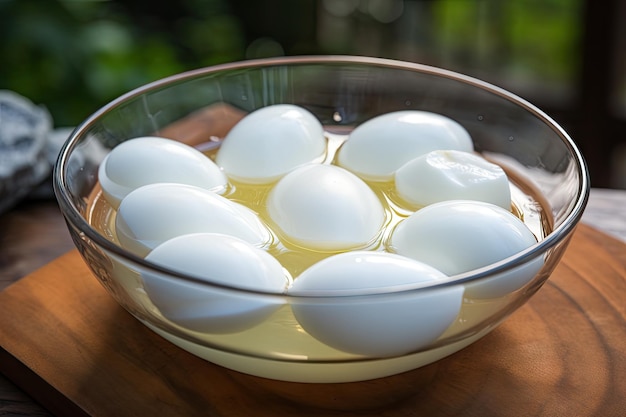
(321, 219)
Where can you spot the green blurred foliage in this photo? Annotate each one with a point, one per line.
(522, 38)
(73, 56)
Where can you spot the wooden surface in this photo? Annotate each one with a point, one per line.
(562, 354)
(31, 235)
(64, 341)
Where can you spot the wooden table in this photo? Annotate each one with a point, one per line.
(34, 234)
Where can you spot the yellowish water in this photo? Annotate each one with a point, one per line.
(280, 337)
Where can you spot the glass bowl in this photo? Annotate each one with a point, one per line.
(336, 336)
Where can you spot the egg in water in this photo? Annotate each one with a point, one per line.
(148, 160)
(154, 213)
(378, 147)
(316, 210)
(350, 316)
(214, 259)
(459, 236)
(325, 207)
(270, 142)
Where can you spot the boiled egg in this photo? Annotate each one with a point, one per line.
(377, 148)
(459, 236)
(152, 214)
(452, 175)
(271, 141)
(325, 207)
(217, 262)
(149, 160)
(368, 307)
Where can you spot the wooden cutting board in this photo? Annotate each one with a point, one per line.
(66, 342)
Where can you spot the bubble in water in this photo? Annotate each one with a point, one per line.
(480, 117)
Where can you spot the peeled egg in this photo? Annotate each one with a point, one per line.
(504, 283)
(459, 236)
(215, 259)
(378, 147)
(325, 207)
(271, 141)
(152, 214)
(452, 175)
(149, 160)
(352, 318)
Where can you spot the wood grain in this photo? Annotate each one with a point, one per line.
(32, 234)
(562, 354)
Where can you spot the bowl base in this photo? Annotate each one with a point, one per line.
(316, 372)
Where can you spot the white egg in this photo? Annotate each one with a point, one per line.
(270, 142)
(325, 207)
(503, 283)
(378, 147)
(460, 236)
(152, 214)
(452, 175)
(214, 259)
(149, 160)
(352, 318)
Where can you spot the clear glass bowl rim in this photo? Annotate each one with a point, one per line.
(559, 233)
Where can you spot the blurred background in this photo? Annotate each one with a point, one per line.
(568, 57)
